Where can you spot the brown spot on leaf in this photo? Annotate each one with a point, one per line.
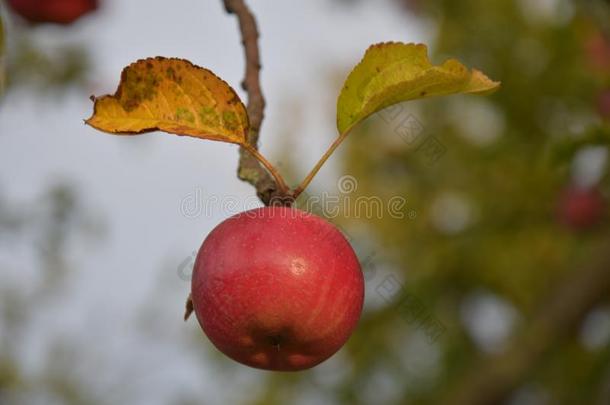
(213, 111)
(136, 88)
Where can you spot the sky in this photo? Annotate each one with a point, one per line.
(143, 188)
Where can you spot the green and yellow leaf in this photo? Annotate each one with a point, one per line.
(175, 96)
(394, 72)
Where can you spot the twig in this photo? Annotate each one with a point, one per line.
(270, 168)
(250, 169)
(297, 191)
(188, 307)
(253, 168)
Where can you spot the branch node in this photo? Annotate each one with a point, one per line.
(250, 169)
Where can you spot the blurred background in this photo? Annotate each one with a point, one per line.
(490, 285)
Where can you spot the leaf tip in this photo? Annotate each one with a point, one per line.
(481, 84)
(392, 72)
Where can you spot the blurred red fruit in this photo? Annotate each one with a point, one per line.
(52, 11)
(597, 52)
(581, 208)
(603, 104)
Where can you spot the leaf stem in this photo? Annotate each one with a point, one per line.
(270, 168)
(297, 191)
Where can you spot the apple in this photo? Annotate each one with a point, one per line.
(277, 288)
(52, 11)
(581, 207)
(597, 51)
(603, 104)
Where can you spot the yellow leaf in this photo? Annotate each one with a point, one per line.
(174, 96)
(394, 72)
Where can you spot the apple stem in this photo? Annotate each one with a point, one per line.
(270, 168)
(284, 189)
(297, 191)
(189, 307)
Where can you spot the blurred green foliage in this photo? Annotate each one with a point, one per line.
(48, 69)
(2, 51)
(487, 253)
(38, 58)
(45, 225)
(501, 302)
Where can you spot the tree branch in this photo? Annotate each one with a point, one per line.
(249, 168)
(493, 378)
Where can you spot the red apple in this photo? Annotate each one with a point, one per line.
(52, 11)
(277, 288)
(581, 208)
(603, 104)
(597, 52)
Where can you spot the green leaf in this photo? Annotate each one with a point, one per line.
(174, 96)
(394, 72)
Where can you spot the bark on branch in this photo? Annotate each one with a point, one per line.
(493, 378)
(250, 169)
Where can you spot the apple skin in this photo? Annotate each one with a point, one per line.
(52, 11)
(277, 288)
(581, 208)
